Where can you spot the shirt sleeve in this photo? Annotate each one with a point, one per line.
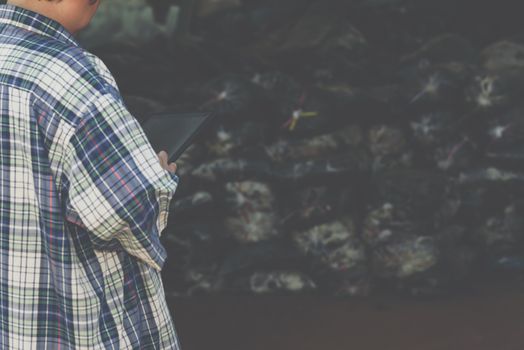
(116, 188)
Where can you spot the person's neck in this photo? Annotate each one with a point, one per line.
(46, 8)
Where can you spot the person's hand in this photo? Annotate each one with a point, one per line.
(162, 157)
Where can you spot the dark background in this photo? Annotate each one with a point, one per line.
(359, 147)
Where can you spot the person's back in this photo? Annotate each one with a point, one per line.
(83, 200)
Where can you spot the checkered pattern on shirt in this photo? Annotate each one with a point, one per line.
(83, 200)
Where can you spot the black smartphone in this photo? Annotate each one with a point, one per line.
(174, 132)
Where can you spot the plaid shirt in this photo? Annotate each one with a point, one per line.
(83, 200)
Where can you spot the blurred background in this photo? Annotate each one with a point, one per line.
(361, 186)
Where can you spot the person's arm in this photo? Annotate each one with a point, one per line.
(116, 187)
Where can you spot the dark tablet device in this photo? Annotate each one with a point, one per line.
(174, 132)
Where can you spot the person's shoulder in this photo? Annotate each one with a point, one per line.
(101, 69)
(72, 81)
(50, 64)
(87, 68)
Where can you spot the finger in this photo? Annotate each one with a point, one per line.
(162, 155)
(172, 167)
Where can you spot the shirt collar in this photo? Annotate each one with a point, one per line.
(35, 22)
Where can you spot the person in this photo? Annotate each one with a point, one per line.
(84, 197)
